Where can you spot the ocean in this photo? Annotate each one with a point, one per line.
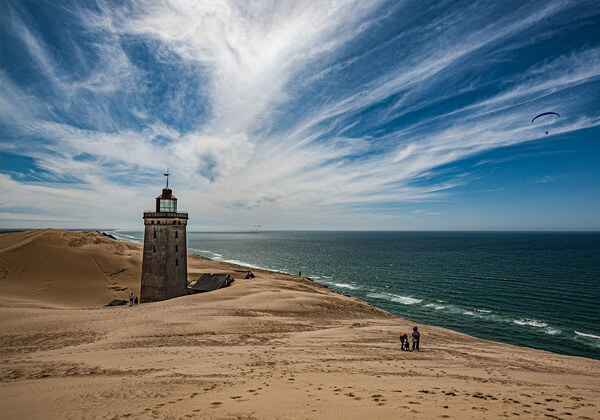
(538, 290)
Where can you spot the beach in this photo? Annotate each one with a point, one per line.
(273, 346)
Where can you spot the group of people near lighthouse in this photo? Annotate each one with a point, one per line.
(133, 299)
(404, 341)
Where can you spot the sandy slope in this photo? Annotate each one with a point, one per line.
(276, 346)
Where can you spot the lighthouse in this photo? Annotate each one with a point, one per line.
(164, 264)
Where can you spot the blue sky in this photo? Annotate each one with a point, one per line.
(301, 115)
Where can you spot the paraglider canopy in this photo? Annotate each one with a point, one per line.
(546, 118)
(544, 113)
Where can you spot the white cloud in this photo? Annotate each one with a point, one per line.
(247, 60)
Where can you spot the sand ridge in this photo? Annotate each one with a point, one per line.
(276, 346)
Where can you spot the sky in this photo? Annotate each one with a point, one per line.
(328, 115)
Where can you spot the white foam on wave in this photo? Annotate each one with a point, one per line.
(552, 331)
(123, 236)
(473, 312)
(345, 286)
(237, 262)
(207, 253)
(378, 295)
(587, 335)
(219, 257)
(405, 300)
(483, 311)
(530, 322)
(434, 306)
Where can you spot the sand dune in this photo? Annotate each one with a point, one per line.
(66, 269)
(276, 346)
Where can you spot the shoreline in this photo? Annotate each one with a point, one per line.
(232, 352)
(499, 318)
(244, 265)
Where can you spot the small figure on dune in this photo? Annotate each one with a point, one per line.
(131, 296)
(416, 336)
(404, 342)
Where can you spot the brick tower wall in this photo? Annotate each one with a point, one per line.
(164, 265)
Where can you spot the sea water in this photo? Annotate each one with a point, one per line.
(537, 290)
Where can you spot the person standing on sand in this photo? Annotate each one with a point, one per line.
(416, 336)
(404, 342)
(131, 296)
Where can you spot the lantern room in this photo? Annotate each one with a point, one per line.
(166, 202)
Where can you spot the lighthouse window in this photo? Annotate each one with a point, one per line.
(176, 234)
(153, 248)
(176, 262)
(155, 234)
(168, 205)
(176, 248)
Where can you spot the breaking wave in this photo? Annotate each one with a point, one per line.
(405, 300)
(530, 322)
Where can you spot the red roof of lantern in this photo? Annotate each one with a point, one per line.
(167, 193)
